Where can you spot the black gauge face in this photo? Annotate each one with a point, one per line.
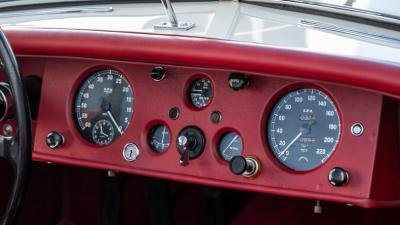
(230, 146)
(201, 93)
(103, 107)
(303, 129)
(103, 132)
(159, 138)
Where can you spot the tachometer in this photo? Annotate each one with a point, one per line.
(103, 107)
(303, 129)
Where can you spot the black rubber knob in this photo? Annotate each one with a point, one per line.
(157, 73)
(238, 81)
(238, 165)
(54, 140)
(338, 177)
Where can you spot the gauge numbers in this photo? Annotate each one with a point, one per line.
(303, 129)
(201, 93)
(159, 138)
(230, 146)
(103, 107)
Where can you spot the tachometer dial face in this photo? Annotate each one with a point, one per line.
(103, 107)
(303, 129)
(201, 93)
(159, 138)
(230, 146)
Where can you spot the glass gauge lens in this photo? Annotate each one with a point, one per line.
(230, 146)
(103, 132)
(201, 92)
(303, 129)
(103, 107)
(159, 138)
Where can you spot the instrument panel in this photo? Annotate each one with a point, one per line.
(256, 132)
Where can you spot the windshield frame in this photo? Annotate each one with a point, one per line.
(383, 20)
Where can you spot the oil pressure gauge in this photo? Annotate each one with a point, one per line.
(201, 93)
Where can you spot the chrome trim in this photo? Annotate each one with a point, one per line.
(173, 23)
(336, 9)
(347, 31)
(57, 11)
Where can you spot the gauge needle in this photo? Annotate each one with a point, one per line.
(115, 122)
(290, 144)
(162, 138)
(102, 132)
(230, 143)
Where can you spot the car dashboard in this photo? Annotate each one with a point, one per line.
(208, 111)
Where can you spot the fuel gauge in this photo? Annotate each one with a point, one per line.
(159, 138)
(230, 146)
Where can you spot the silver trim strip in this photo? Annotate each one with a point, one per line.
(336, 9)
(347, 31)
(57, 11)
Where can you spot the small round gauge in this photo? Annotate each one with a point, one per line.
(230, 146)
(303, 129)
(159, 138)
(201, 93)
(104, 103)
(103, 132)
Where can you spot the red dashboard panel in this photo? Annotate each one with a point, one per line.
(63, 64)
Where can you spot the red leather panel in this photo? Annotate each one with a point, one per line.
(69, 54)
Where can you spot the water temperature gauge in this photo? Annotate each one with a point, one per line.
(159, 138)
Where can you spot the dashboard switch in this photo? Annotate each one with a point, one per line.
(246, 166)
(238, 81)
(54, 140)
(338, 177)
(190, 144)
(157, 73)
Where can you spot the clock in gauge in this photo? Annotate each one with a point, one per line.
(103, 107)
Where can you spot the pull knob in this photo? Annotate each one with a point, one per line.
(54, 140)
(190, 144)
(338, 177)
(238, 81)
(157, 73)
(246, 166)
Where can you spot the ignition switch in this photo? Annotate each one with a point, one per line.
(190, 144)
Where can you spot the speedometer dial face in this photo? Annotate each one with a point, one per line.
(303, 129)
(103, 107)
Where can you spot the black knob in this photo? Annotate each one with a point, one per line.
(238, 165)
(54, 140)
(157, 73)
(238, 81)
(338, 177)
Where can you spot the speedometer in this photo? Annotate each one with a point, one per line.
(303, 129)
(103, 107)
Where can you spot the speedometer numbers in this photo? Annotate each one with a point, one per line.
(303, 129)
(103, 107)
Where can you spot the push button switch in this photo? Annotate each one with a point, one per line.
(338, 177)
(54, 140)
